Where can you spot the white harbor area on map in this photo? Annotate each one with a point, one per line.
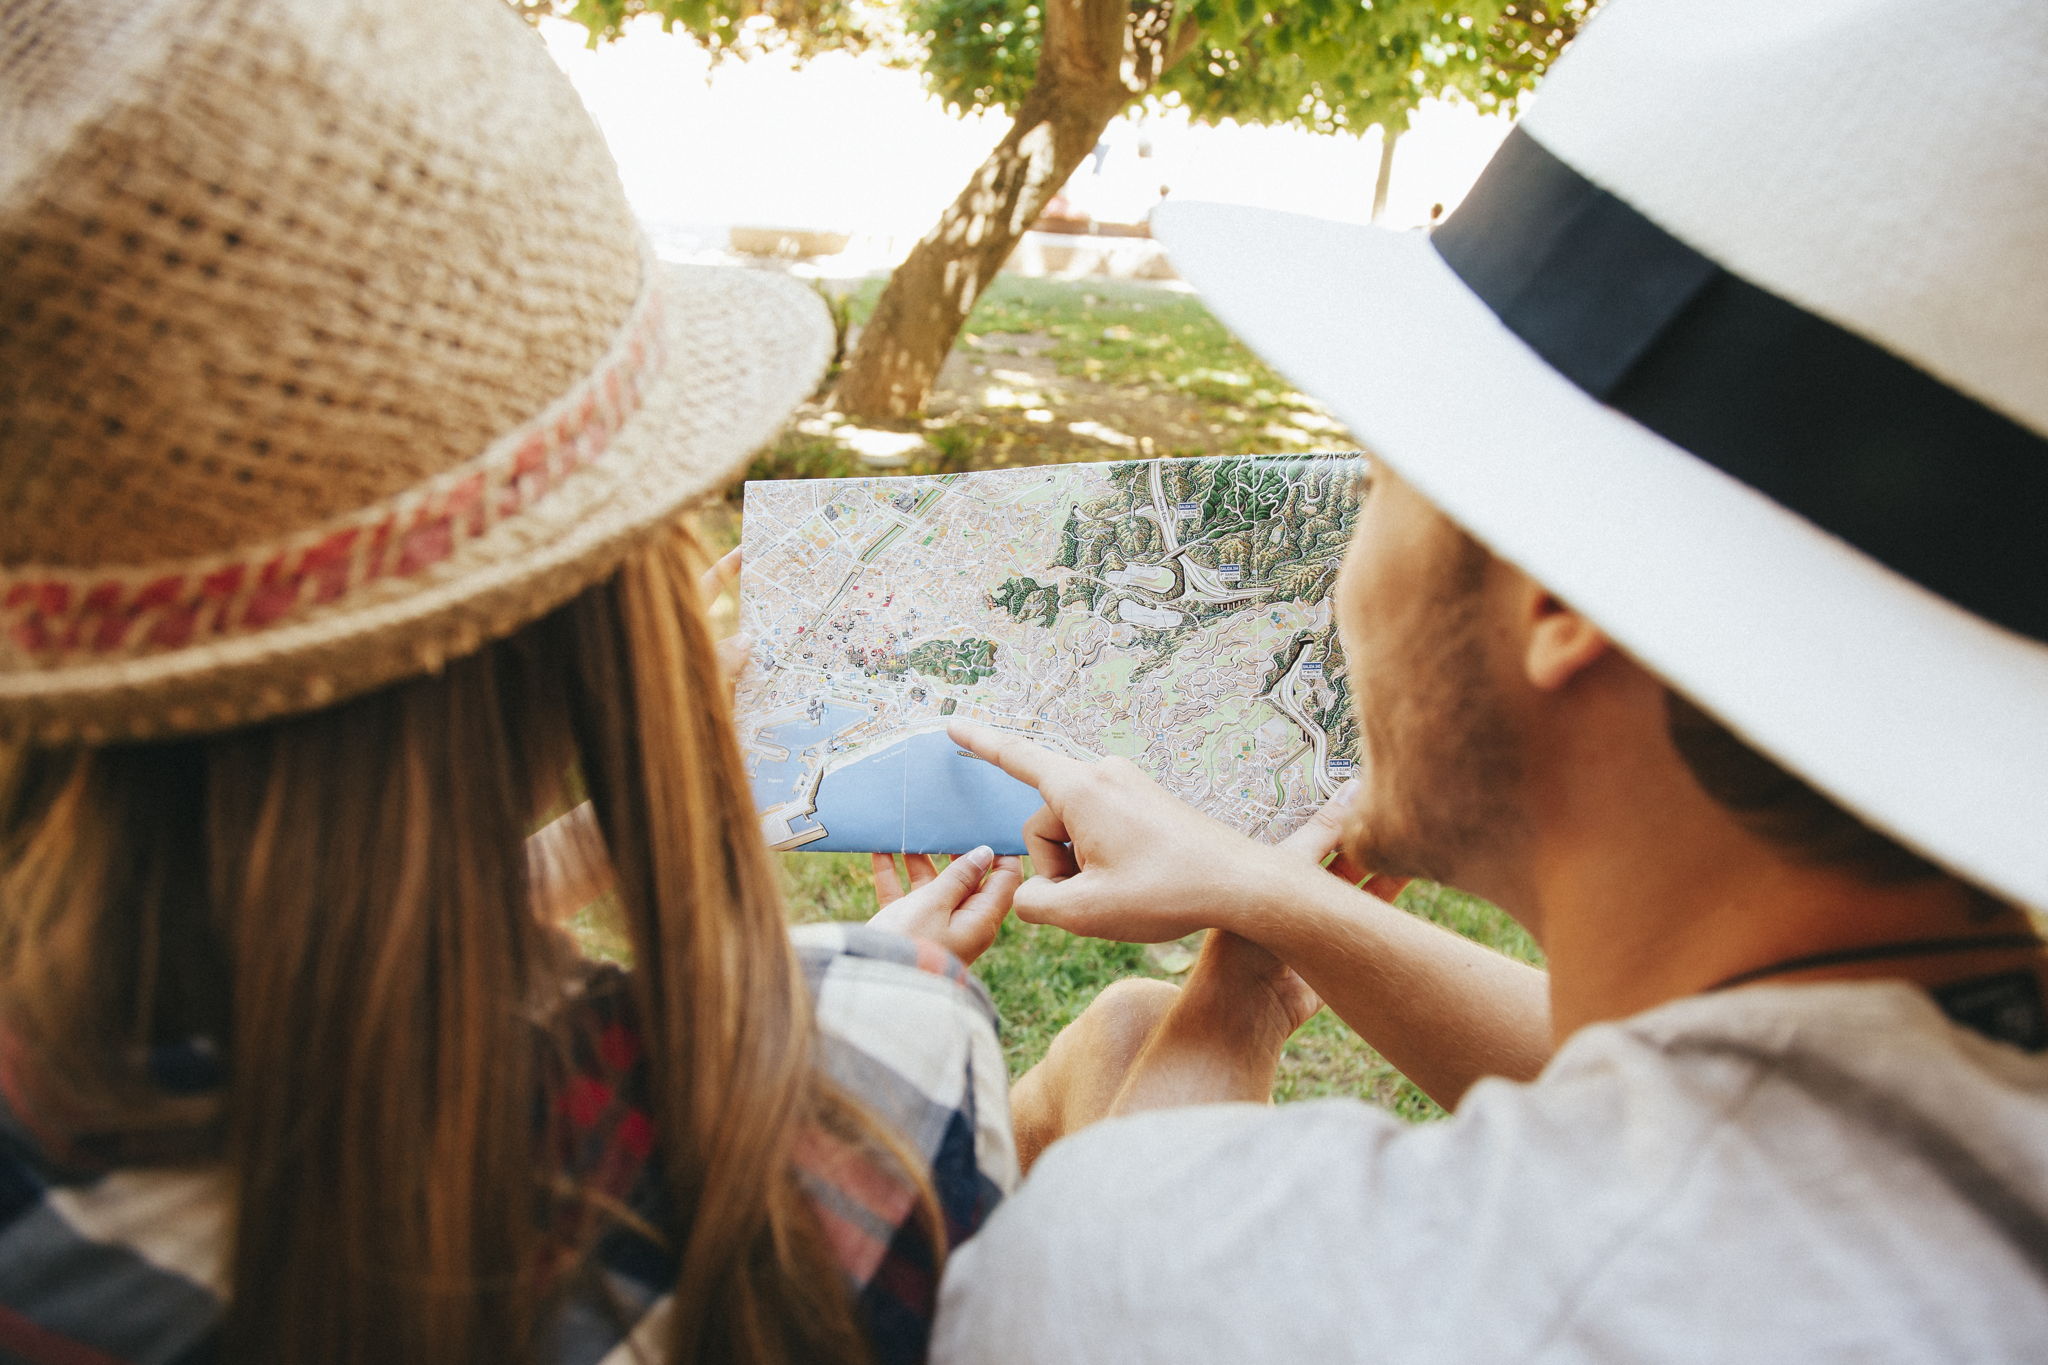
(1175, 612)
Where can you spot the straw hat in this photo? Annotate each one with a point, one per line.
(329, 349)
(1741, 346)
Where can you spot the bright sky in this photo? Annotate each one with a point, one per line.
(849, 145)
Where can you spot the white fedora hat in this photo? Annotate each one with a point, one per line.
(1740, 345)
(329, 350)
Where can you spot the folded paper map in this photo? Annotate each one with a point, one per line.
(1174, 611)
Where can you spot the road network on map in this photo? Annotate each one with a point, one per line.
(1172, 611)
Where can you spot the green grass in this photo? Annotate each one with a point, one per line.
(1136, 337)
(1128, 345)
(1041, 978)
(797, 456)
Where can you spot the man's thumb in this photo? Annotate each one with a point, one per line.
(1042, 900)
(1325, 829)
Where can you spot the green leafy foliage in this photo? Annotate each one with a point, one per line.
(741, 28)
(1326, 65)
(981, 54)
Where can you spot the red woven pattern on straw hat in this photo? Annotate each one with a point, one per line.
(52, 615)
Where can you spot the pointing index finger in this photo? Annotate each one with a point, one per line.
(1014, 754)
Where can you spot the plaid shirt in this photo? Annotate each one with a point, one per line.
(110, 1266)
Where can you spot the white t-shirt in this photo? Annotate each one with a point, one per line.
(1782, 1173)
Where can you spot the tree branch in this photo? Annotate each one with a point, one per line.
(1183, 39)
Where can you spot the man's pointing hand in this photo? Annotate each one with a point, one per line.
(1116, 856)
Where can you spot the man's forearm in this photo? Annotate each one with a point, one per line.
(1443, 1009)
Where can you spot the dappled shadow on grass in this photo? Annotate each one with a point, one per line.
(1061, 371)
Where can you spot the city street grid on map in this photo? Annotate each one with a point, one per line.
(1172, 611)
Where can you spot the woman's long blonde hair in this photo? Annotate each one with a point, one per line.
(341, 901)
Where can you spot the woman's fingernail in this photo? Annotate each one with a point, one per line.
(980, 857)
(1348, 793)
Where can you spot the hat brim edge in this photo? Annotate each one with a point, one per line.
(661, 461)
(1926, 721)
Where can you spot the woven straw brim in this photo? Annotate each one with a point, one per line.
(743, 347)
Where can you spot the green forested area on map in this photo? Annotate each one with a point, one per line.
(962, 662)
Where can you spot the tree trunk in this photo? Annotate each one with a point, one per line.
(1097, 57)
(1385, 179)
(906, 340)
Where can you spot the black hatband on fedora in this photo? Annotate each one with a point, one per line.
(1918, 475)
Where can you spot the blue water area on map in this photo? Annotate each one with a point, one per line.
(775, 783)
(922, 796)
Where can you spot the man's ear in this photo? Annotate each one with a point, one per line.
(1558, 642)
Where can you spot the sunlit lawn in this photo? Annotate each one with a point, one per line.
(1042, 977)
(1131, 355)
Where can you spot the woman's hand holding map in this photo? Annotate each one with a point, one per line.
(959, 908)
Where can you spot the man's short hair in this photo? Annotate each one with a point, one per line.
(1782, 809)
